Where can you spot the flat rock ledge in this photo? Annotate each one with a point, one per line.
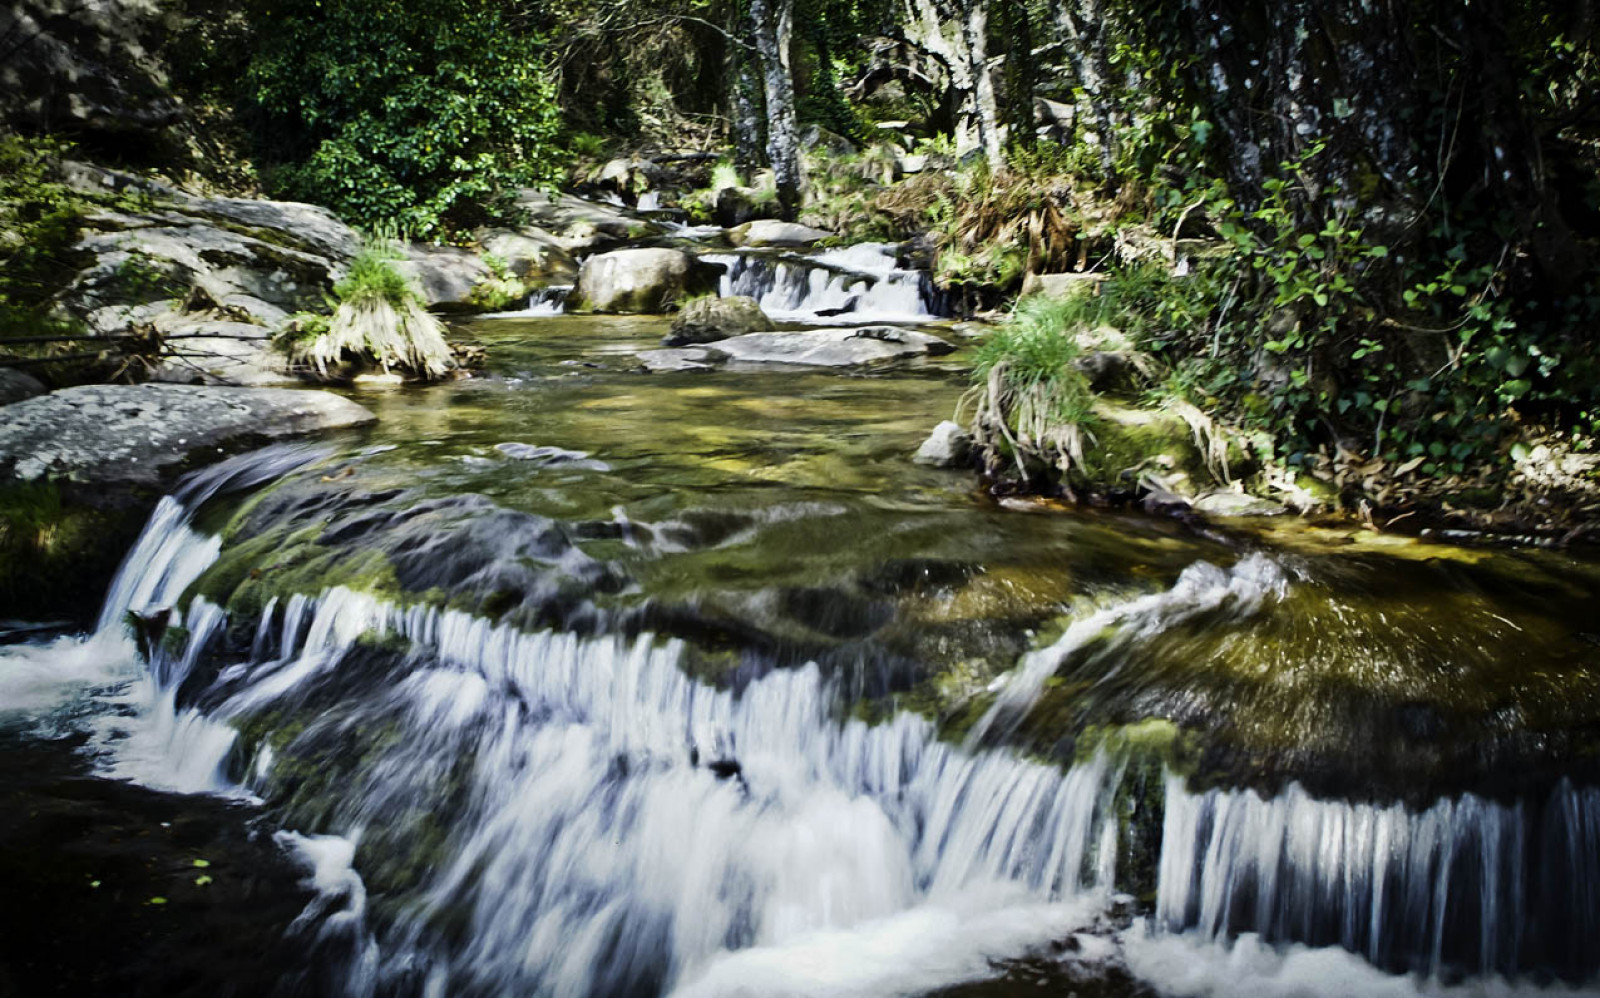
(138, 435)
(866, 346)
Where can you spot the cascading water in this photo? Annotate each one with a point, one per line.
(860, 283)
(618, 828)
(541, 813)
(1467, 885)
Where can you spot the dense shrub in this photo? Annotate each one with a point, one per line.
(425, 115)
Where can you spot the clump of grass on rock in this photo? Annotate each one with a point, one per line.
(1029, 401)
(379, 323)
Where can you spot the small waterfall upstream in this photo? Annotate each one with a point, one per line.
(860, 283)
(548, 814)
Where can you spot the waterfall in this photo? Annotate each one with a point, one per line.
(542, 304)
(1467, 885)
(616, 827)
(861, 283)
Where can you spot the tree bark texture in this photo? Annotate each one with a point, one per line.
(773, 21)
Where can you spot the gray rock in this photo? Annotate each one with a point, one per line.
(145, 434)
(946, 447)
(640, 280)
(445, 275)
(1111, 370)
(533, 255)
(667, 361)
(866, 346)
(15, 386)
(707, 320)
(152, 258)
(815, 137)
(584, 226)
(208, 351)
(1238, 504)
(770, 232)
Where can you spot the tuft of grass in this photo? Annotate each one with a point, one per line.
(723, 176)
(379, 322)
(1028, 400)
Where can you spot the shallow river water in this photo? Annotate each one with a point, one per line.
(573, 680)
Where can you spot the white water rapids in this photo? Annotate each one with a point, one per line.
(600, 823)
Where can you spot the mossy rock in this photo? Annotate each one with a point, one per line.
(1131, 441)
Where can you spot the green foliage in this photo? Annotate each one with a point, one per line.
(426, 114)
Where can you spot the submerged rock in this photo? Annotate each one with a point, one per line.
(553, 457)
(947, 446)
(706, 320)
(640, 280)
(142, 434)
(865, 346)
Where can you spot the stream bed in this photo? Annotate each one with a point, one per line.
(575, 680)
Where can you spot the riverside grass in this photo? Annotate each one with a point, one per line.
(379, 323)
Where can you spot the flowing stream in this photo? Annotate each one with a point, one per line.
(580, 681)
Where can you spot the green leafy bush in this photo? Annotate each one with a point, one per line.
(427, 114)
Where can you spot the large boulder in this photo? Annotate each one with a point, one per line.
(641, 280)
(581, 226)
(211, 350)
(707, 320)
(446, 276)
(145, 434)
(771, 232)
(532, 255)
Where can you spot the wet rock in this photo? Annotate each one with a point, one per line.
(207, 351)
(947, 447)
(738, 205)
(16, 386)
(641, 280)
(1238, 504)
(773, 233)
(552, 457)
(706, 320)
(866, 346)
(666, 361)
(143, 434)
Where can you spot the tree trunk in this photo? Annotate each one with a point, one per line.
(1021, 72)
(774, 27)
(745, 103)
(955, 33)
(1083, 29)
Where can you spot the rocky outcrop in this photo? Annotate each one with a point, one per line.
(143, 435)
(640, 281)
(707, 320)
(772, 233)
(868, 346)
(206, 350)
